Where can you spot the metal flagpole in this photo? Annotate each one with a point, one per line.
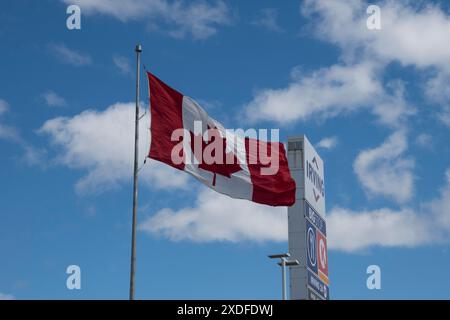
(283, 278)
(138, 51)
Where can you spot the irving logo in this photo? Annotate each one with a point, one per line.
(312, 169)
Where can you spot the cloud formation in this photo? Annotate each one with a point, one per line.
(428, 223)
(52, 99)
(328, 143)
(5, 296)
(199, 19)
(123, 64)
(215, 217)
(410, 34)
(69, 56)
(385, 171)
(329, 92)
(7, 132)
(3, 106)
(437, 90)
(101, 143)
(268, 19)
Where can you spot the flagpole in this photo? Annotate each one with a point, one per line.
(138, 50)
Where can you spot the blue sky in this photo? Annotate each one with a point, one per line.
(374, 102)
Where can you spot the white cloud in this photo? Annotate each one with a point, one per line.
(200, 19)
(5, 296)
(324, 93)
(216, 217)
(328, 143)
(4, 106)
(52, 99)
(34, 156)
(102, 143)
(391, 107)
(329, 92)
(7, 132)
(350, 230)
(413, 34)
(123, 64)
(268, 18)
(385, 171)
(410, 34)
(439, 209)
(356, 230)
(445, 117)
(70, 56)
(424, 140)
(437, 90)
(31, 155)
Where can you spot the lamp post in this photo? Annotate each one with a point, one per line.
(283, 263)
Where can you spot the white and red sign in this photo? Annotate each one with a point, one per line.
(322, 257)
(186, 138)
(314, 178)
(316, 244)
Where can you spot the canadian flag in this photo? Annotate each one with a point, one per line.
(186, 138)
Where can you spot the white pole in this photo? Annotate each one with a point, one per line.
(283, 277)
(138, 51)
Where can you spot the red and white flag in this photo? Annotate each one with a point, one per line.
(186, 138)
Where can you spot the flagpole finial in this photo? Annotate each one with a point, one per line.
(138, 48)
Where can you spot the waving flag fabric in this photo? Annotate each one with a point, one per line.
(186, 138)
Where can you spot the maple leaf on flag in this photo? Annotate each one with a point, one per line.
(224, 169)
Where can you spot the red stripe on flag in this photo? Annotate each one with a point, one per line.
(277, 189)
(166, 116)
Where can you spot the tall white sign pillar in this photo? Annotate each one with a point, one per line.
(306, 223)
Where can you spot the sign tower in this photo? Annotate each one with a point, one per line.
(306, 223)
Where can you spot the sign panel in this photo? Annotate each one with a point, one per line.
(311, 246)
(314, 178)
(312, 295)
(322, 257)
(318, 286)
(316, 244)
(315, 219)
